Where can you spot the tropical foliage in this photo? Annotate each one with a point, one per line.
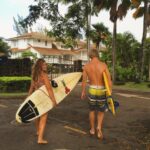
(68, 27)
(142, 11)
(28, 54)
(18, 27)
(4, 48)
(99, 34)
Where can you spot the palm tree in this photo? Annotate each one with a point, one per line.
(115, 13)
(142, 11)
(99, 34)
(18, 27)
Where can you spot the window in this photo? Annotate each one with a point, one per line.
(45, 43)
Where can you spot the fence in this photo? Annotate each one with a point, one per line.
(56, 70)
(22, 67)
(15, 67)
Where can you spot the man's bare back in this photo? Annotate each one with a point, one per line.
(94, 71)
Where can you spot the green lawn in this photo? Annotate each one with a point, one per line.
(135, 86)
(12, 95)
(128, 86)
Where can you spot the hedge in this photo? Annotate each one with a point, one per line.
(14, 84)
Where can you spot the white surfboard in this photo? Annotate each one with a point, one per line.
(39, 101)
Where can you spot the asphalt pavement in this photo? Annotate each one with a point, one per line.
(68, 125)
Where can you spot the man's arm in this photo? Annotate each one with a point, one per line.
(84, 79)
(109, 78)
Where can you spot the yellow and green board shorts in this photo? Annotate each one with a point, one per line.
(97, 98)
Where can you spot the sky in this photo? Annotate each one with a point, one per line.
(10, 9)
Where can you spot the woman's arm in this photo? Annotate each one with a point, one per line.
(49, 88)
(31, 89)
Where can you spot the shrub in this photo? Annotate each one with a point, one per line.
(14, 84)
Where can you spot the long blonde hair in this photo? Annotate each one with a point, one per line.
(37, 69)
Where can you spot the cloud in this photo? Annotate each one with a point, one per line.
(20, 2)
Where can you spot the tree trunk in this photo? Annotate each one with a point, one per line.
(143, 39)
(88, 37)
(149, 70)
(88, 29)
(114, 51)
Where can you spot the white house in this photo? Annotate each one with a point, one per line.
(43, 46)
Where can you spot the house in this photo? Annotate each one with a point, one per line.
(45, 47)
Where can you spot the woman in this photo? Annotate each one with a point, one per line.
(39, 78)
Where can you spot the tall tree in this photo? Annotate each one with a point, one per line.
(116, 11)
(147, 58)
(18, 27)
(69, 25)
(142, 11)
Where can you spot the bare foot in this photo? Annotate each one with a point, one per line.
(42, 142)
(92, 132)
(99, 134)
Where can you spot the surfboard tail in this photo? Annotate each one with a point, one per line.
(110, 102)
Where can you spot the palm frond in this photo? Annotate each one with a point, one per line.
(123, 8)
(138, 13)
(136, 3)
(113, 10)
(98, 4)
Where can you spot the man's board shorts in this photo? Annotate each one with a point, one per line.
(97, 98)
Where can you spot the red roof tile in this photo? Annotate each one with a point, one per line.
(32, 35)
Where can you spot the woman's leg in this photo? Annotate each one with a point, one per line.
(37, 125)
(42, 124)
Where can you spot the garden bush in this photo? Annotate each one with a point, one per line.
(14, 84)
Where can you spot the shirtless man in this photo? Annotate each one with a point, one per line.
(97, 99)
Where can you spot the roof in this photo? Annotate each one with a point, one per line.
(52, 51)
(32, 35)
(83, 45)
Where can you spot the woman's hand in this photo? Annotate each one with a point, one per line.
(54, 103)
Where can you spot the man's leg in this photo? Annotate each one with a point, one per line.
(100, 117)
(92, 122)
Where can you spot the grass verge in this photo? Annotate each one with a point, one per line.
(12, 95)
(134, 86)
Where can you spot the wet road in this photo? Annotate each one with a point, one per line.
(67, 127)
